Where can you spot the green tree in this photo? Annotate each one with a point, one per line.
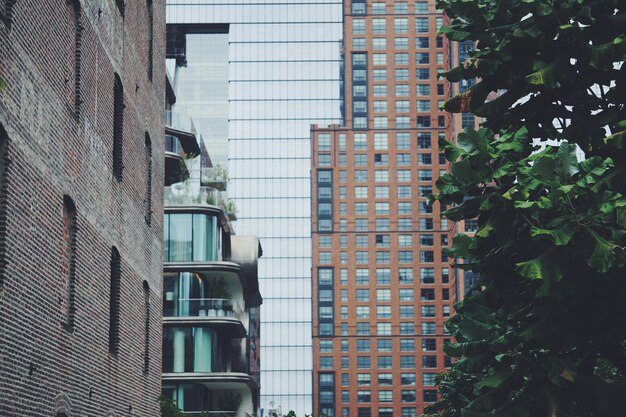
(545, 335)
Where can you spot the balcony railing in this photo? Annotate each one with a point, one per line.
(172, 144)
(215, 414)
(202, 307)
(180, 121)
(183, 194)
(216, 177)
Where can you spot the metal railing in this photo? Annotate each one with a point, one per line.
(172, 144)
(183, 194)
(202, 307)
(180, 121)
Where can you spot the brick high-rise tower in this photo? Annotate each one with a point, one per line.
(382, 288)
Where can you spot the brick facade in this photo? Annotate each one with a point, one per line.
(56, 140)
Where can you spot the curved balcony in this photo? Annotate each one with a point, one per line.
(181, 125)
(175, 167)
(201, 399)
(219, 313)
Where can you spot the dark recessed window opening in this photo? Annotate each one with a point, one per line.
(148, 201)
(4, 140)
(146, 343)
(118, 128)
(150, 39)
(70, 229)
(114, 301)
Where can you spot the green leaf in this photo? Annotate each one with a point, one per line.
(607, 53)
(544, 76)
(495, 379)
(546, 265)
(561, 236)
(454, 35)
(603, 256)
(566, 163)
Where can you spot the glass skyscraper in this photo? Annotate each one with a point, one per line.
(284, 61)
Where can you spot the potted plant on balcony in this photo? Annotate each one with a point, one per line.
(218, 291)
(231, 209)
(217, 178)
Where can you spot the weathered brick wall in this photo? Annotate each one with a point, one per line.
(45, 369)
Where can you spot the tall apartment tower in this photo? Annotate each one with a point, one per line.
(282, 74)
(382, 288)
(81, 223)
(210, 287)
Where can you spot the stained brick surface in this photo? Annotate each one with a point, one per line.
(44, 369)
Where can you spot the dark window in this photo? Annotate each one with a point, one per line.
(114, 301)
(8, 12)
(4, 140)
(73, 88)
(430, 396)
(150, 39)
(146, 324)
(148, 202)
(69, 260)
(118, 127)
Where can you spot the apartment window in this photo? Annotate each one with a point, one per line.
(403, 122)
(445, 275)
(403, 159)
(404, 208)
(361, 224)
(408, 396)
(429, 361)
(148, 196)
(382, 225)
(401, 43)
(343, 313)
(423, 140)
(402, 106)
(326, 396)
(405, 240)
(364, 379)
(345, 362)
(400, 7)
(424, 159)
(428, 311)
(363, 362)
(429, 379)
(421, 24)
(423, 121)
(385, 379)
(403, 141)
(404, 224)
(70, 228)
(383, 276)
(407, 328)
(406, 312)
(380, 90)
(424, 175)
(438, 22)
(358, 26)
(423, 90)
(429, 328)
(403, 175)
(407, 378)
(358, 8)
(383, 312)
(363, 345)
(360, 192)
(380, 142)
(325, 257)
(326, 362)
(427, 275)
(385, 396)
(383, 345)
(384, 362)
(118, 127)
(379, 75)
(325, 277)
(422, 42)
(379, 59)
(325, 296)
(361, 242)
(359, 75)
(378, 8)
(345, 378)
(379, 43)
(358, 43)
(360, 141)
(381, 159)
(424, 190)
(429, 345)
(422, 58)
(427, 294)
(362, 295)
(405, 257)
(326, 346)
(407, 362)
(402, 75)
(359, 123)
(380, 106)
(407, 345)
(114, 301)
(382, 258)
(439, 58)
(362, 258)
(422, 74)
(440, 90)
(381, 191)
(381, 208)
(380, 122)
(360, 208)
(445, 294)
(364, 396)
(359, 91)
(400, 25)
(402, 59)
(402, 90)
(427, 256)
(405, 275)
(379, 27)
(383, 294)
(406, 294)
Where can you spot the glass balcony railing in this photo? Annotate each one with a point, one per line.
(216, 177)
(180, 121)
(202, 307)
(182, 194)
(172, 144)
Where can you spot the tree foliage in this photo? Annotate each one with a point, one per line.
(544, 336)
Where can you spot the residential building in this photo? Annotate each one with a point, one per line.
(81, 232)
(275, 68)
(210, 286)
(382, 286)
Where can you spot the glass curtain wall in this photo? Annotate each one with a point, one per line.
(284, 75)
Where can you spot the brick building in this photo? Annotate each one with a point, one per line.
(382, 287)
(81, 219)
